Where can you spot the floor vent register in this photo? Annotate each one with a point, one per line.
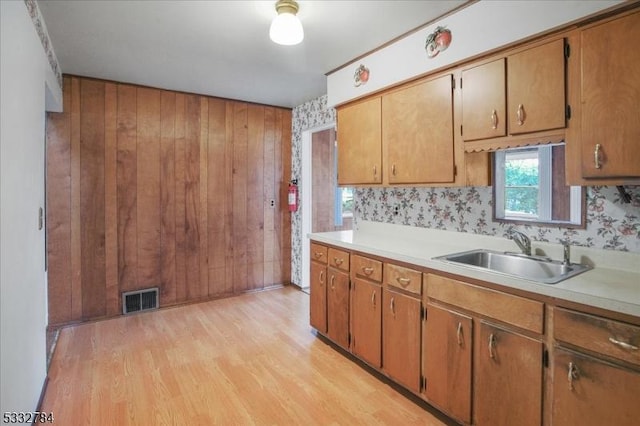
(139, 300)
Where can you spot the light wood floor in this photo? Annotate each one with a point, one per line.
(251, 359)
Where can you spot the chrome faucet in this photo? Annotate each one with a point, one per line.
(567, 253)
(522, 241)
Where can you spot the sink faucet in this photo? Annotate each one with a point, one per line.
(567, 253)
(522, 241)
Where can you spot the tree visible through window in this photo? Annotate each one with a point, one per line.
(522, 183)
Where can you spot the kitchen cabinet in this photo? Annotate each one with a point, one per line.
(318, 288)
(447, 342)
(338, 297)
(401, 321)
(521, 93)
(366, 310)
(507, 377)
(417, 126)
(609, 94)
(360, 142)
(596, 368)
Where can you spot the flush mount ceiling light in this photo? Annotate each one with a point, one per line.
(286, 28)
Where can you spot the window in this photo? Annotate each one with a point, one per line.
(529, 186)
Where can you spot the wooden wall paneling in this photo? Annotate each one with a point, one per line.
(58, 210)
(148, 171)
(180, 187)
(280, 198)
(192, 196)
(92, 208)
(217, 198)
(229, 240)
(204, 248)
(111, 199)
(240, 141)
(127, 188)
(76, 265)
(285, 215)
(256, 204)
(269, 188)
(167, 198)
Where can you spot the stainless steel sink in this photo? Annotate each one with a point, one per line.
(534, 268)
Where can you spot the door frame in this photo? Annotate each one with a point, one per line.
(306, 198)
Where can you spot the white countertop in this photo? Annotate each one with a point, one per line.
(612, 284)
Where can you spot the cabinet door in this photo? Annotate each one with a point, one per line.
(483, 101)
(318, 297)
(366, 321)
(508, 378)
(590, 392)
(401, 339)
(447, 347)
(360, 143)
(417, 128)
(338, 307)
(535, 87)
(610, 96)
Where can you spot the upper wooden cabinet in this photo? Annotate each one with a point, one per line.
(417, 128)
(483, 101)
(535, 88)
(525, 90)
(360, 143)
(609, 95)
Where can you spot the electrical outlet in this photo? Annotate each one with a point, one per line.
(396, 210)
(272, 203)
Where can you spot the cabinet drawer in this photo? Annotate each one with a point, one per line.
(515, 310)
(608, 337)
(404, 278)
(318, 253)
(364, 267)
(339, 259)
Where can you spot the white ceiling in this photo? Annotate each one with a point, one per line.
(222, 48)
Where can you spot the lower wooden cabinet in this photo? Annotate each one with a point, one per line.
(338, 307)
(591, 392)
(366, 321)
(401, 338)
(318, 297)
(447, 342)
(507, 378)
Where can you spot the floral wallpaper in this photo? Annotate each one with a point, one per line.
(41, 29)
(611, 224)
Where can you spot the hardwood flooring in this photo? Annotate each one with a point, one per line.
(251, 359)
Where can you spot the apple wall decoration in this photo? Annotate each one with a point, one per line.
(361, 76)
(437, 41)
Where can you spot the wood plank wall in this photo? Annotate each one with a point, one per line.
(154, 188)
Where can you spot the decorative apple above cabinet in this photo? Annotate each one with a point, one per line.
(437, 41)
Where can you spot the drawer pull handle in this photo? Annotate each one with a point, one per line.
(338, 261)
(520, 115)
(403, 281)
(459, 334)
(333, 282)
(494, 119)
(623, 345)
(392, 306)
(318, 254)
(572, 375)
(321, 277)
(492, 345)
(367, 271)
(596, 156)
(373, 298)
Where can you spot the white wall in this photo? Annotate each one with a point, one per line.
(24, 71)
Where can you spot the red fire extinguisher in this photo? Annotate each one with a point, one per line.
(293, 195)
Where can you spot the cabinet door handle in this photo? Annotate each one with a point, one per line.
(367, 271)
(333, 282)
(392, 306)
(403, 281)
(494, 119)
(321, 277)
(623, 345)
(373, 298)
(393, 169)
(459, 334)
(520, 114)
(572, 375)
(337, 261)
(375, 171)
(492, 345)
(596, 156)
